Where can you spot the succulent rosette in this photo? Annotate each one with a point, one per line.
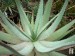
(39, 37)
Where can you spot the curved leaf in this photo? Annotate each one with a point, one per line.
(41, 54)
(53, 27)
(13, 28)
(46, 25)
(46, 46)
(9, 38)
(4, 51)
(57, 34)
(50, 54)
(66, 33)
(19, 29)
(24, 19)
(6, 28)
(39, 17)
(10, 48)
(24, 48)
(47, 11)
(56, 54)
(32, 53)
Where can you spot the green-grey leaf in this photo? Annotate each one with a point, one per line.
(47, 11)
(66, 33)
(53, 53)
(18, 28)
(53, 27)
(39, 17)
(9, 38)
(6, 28)
(32, 21)
(10, 48)
(56, 54)
(31, 54)
(4, 51)
(9, 31)
(58, 34)
(24, 19)
(46, 46)
(45, 27)
(24, 48)
(13, 28)
(41, 54)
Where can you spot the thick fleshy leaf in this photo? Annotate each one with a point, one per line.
(56, 54)
(57, 34)
(10, 48)
(18, 28)
(46, 25)
(18, 46)
(32, 53)
(13, 28)
(41, 54)
(66, 33)
(24, 19)
(46, 46)
(50, 54)
(4, 51)
(24, 48)
(55, 24)
(10, 32)
(9, 38)
(39, 17)
(32, 22)
(47, 11)
(6, 28)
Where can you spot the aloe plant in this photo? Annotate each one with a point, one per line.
(39, 37)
